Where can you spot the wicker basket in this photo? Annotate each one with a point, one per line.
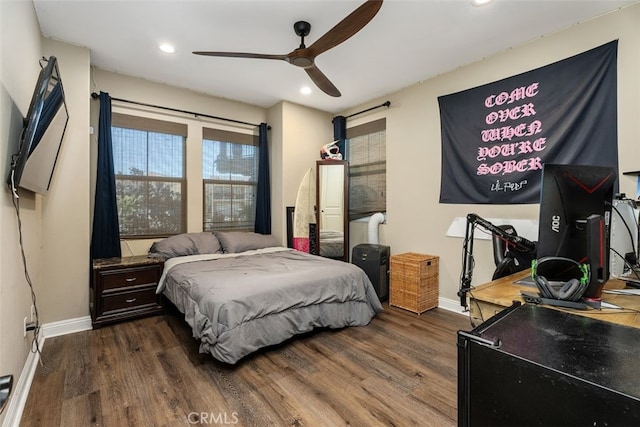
(414, 282)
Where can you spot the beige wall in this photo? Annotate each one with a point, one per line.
(303, 132)
(63, 291)
(276, 170)
(416, 221)
(20, 50)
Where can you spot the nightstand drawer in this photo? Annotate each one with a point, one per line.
(128, 300)
(130, 277)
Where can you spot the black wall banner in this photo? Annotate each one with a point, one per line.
(496, 137)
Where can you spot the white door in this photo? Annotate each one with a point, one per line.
(332, 197)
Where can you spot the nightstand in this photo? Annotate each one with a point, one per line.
(124, 288)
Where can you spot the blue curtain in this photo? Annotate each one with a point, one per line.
(263, 196)
(340, 132)
(105, 239)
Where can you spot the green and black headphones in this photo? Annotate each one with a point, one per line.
(570, 278)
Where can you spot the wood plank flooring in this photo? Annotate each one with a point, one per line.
(399, 370)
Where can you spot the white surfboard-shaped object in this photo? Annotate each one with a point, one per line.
(304, 213)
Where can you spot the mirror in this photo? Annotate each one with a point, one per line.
(332, 183)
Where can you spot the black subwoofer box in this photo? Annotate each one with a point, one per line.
(374, 260)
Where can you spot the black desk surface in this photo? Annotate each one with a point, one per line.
(599, 352)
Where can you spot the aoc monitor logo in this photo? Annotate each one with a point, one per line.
(555, 223)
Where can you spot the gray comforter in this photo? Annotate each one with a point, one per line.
(238, 303)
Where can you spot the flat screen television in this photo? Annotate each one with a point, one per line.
(575, 212)
(42, 134)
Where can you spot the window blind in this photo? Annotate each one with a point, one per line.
(149, 164)
(366, 153)
(230, 178)
(147, 124)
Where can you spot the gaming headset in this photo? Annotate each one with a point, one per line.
(573, 278)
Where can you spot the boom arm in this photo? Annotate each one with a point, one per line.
(519, 243)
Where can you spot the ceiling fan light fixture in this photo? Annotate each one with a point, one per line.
(481, 2)
(302, 61)
(167, 48)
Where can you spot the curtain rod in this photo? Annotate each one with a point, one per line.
(384, 104)
(175, 110)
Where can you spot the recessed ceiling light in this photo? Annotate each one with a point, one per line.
(480, 2)
(305, 90)
(167, 48)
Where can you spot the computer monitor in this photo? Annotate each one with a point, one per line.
(575, 212)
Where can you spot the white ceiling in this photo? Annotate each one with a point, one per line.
(408, 41)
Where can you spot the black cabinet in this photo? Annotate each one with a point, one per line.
(374, 260)
(531, 365)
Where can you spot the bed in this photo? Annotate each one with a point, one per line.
(331, 244)
(251, 293)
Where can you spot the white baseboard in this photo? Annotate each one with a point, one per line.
(452, 305)
(65, 327)
(21, 389)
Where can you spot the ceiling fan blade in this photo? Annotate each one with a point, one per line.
(242, 55)
(346, 28)
(322, 81)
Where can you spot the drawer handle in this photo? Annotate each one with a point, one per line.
(131, 279)
(129, 301)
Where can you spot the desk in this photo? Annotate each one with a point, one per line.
(490, 298)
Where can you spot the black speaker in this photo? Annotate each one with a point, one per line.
(374, 260)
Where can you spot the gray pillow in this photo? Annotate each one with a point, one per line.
(240, 241)
(186, 244)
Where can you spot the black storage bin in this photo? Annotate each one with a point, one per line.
(374, 260)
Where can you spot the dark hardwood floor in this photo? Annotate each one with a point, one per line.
(399, 370)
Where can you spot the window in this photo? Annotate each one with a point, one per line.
(149, 165)
(230, 179)
(367, 156)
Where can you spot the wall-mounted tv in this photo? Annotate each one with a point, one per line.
(44, 128)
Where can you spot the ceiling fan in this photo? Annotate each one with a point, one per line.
(304, 57)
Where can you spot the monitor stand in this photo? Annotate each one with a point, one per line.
(596, 256)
